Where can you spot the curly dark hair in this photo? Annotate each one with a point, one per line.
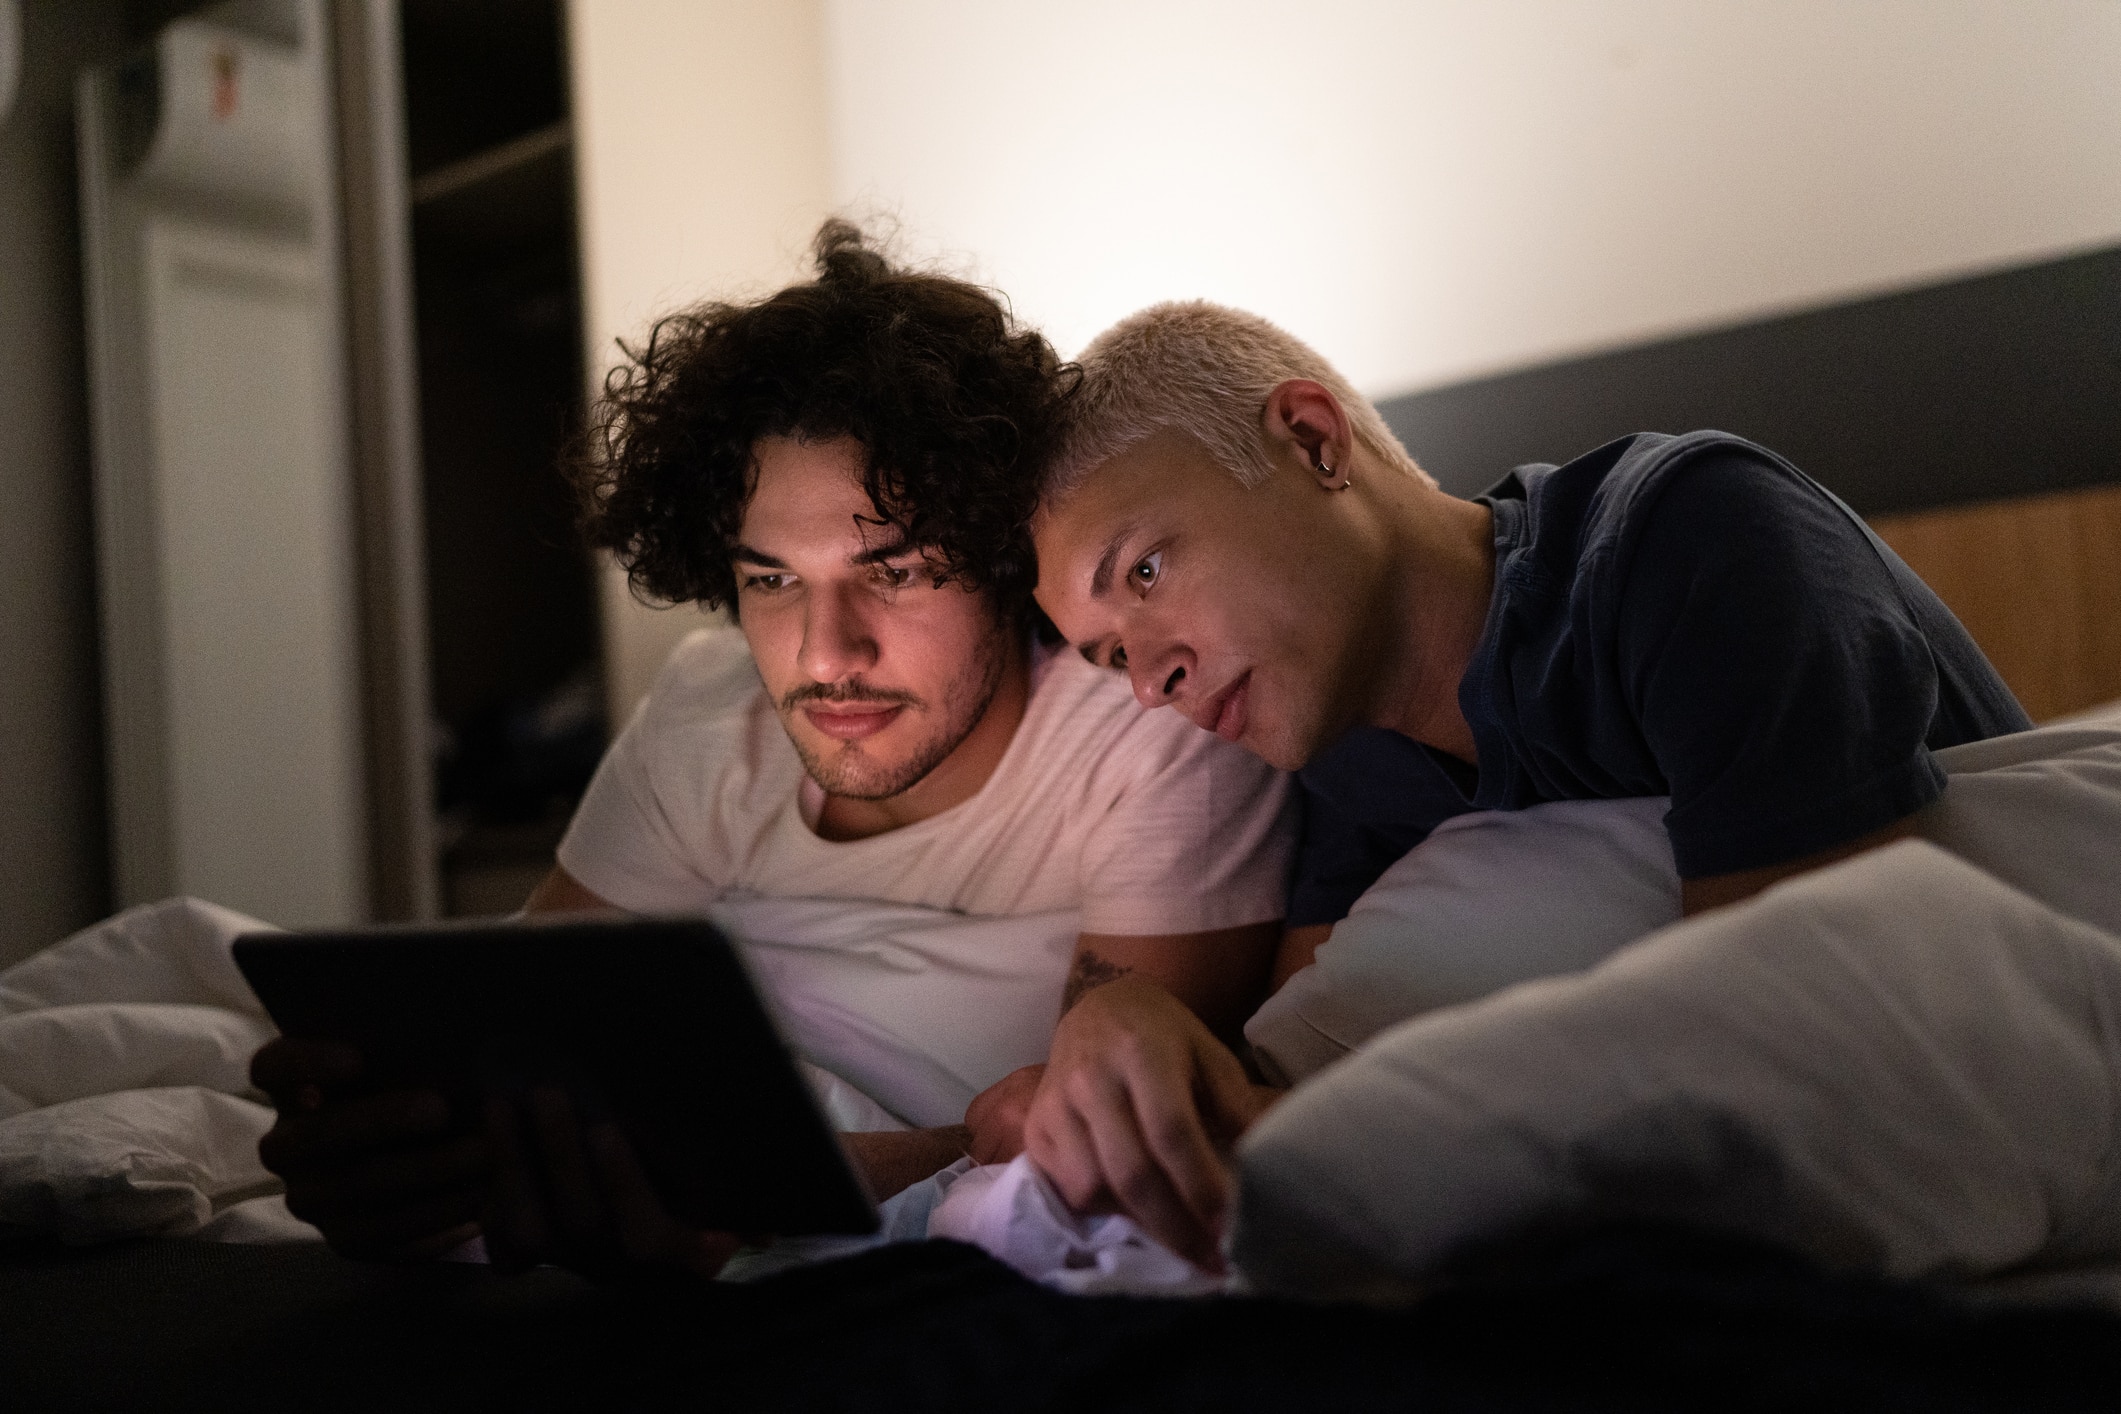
(956, 407)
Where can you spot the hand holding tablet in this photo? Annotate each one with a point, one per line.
(541, 1080)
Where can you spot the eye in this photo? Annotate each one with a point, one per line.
(1146, 570)
(765, 583)
(1118, 658)
(894, 576)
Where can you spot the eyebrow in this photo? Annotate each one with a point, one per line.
(874, 556)
(881, 553)
(1101, 580)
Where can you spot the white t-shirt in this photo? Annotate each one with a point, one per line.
(1140, 820)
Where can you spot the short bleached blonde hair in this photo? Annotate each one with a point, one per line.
(1205, 371)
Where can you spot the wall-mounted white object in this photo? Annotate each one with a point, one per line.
(225, 498)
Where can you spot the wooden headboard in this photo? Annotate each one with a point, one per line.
(1976, 424)
(2037, 581)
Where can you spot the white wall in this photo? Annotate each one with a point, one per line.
(700, 150)
(1432, 189)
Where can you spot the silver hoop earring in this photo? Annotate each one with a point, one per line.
(1324, 470)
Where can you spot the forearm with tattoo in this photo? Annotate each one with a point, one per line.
(1089, 971)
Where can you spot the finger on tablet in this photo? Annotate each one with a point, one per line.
(517, 1234)
(571, 1190)
(435, 1224)
(284, 1067)
(434, 1244)
(647, 1232)
(644, 1226)
(301, 1140)
(389, 1179)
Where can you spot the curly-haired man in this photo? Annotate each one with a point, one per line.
(843, 466)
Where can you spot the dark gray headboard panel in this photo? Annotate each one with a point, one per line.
(2002, 385)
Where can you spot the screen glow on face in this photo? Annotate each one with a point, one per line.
(878, 673)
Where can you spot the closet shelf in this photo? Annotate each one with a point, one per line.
(468, 172)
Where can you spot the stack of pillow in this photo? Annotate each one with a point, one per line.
(1906, 1063)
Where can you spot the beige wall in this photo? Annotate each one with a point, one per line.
(700, 136)
(1430, 189)
(1427, 189)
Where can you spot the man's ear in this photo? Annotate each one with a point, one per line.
(1305, 420)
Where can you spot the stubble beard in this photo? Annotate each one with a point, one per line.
(847, 769)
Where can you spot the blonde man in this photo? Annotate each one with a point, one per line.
(1230, 524)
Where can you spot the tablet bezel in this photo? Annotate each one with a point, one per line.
(655, 1023)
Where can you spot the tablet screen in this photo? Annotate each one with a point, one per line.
(655, 1024)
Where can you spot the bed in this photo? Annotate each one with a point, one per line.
(1627, 1312)
(1623, 1319)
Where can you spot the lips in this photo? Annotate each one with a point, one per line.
(849, 721)
(1224, 714)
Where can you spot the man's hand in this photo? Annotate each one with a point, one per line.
(575, 1194)
(382, 1176)
(1137, 1106)
(996, 1116)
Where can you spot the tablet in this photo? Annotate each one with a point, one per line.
(655, 1024)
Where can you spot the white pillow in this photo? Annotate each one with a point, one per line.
(1489, 899)
(1495, 898)
(1898, 1064)
(2040, 810)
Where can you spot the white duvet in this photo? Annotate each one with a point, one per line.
(125, 1099)
(1906, 1064)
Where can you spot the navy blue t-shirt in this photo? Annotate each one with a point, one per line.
(1686, 616)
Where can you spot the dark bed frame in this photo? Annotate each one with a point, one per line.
(1620, 1319)
(2001, 386)
(1976, 423)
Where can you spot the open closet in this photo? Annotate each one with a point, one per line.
(512, 623)
(350, 637)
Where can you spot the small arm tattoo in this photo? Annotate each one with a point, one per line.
(1090, 971)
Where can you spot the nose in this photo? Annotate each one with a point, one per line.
(1158, 673)
(837, 641)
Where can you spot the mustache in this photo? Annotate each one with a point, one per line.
(853, 690)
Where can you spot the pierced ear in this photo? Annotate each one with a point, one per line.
(1306, 417)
